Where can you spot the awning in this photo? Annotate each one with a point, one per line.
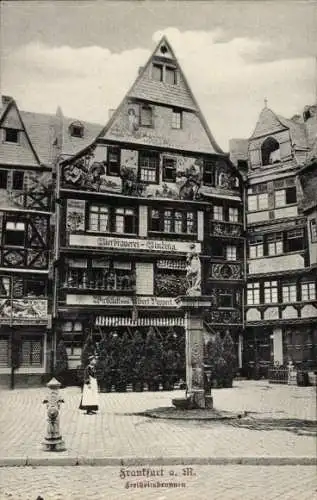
(141, 321)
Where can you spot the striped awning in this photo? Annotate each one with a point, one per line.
(141, 321)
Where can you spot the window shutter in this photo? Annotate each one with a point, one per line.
(255, 158)
(143, 220)
(144, 278)
(200, 225)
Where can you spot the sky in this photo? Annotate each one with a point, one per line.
(84, 56)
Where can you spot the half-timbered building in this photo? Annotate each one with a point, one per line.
(150, 188)
(280, 298)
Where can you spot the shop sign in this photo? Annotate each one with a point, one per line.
(110, 300)
(156, 301)
(148, 245)
(96, 300)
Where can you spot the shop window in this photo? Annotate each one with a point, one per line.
(270, 151)
(270, 292)
(208, 172)
(275, 243)
(98, 219)
(256, 247)
(14, 233)
(11, 135)
(113, 160)
(218, 212)
(5, 352)
(177, 119)
(253, 293)
(313, 230)
(308, 291)
(17, 180)
(169, 169)
(295, 240)
(231, 252)
(289, 293)
(233, 214)
(146, 116)
(31, 351)
(149, 167)
(125, 220)
(3, 179)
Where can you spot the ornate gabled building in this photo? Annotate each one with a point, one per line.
(280, 300)
(152, 186)
(28, 154)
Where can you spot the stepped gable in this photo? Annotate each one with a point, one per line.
(124, 125)
(23, 151)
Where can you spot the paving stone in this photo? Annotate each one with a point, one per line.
(279, 424)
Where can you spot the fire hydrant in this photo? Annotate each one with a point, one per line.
(53, 440)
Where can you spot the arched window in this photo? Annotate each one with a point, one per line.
(270, 151)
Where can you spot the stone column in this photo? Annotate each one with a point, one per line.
(195, 359)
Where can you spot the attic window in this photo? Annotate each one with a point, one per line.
(163, 49)
(11, 135)
(76, 130)
(157, 72)
(170, 75)
(270, 151)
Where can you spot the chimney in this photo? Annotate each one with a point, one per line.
(110, 113)
(6, 99)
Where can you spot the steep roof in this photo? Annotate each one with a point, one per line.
(194, 136)
(23, 151)
(268, 123)
(43, 128)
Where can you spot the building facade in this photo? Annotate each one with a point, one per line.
(25, 212)
(153, 186)
(30, 146)
(280, 297)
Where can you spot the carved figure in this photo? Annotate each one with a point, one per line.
(193, 272)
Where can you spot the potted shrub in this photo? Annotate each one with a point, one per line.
(230, 359)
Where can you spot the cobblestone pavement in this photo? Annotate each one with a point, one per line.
(239, 482)
(277, 426)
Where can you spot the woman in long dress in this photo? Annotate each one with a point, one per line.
(89, 400)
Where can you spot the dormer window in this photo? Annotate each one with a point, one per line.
(76, 130)
(270, 151)
(11, 135)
